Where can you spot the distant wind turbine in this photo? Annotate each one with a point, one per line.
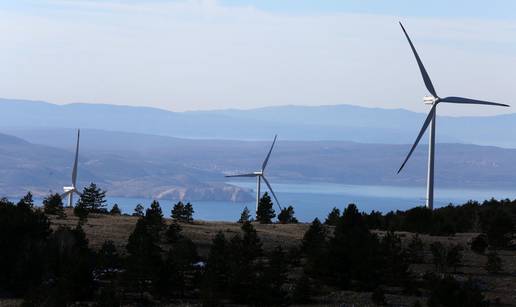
(434, 100)
(259, 176)
(69, 191)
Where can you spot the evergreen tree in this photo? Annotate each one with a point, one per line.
(115, 210)
(173, 233)
(479, 244)
(286, 216)
(353, 251)
(272, 280)
(265, 212)
(53, 204)
(303, 291)
(108, 257)
(315, 247)
(177, 211)
(333, 217)
(416, 249)
(26, 201)
(138, 210)
(454, 256)
(154, 221)
(183, 213)
(216, 277)
(144, 258)
(93, 199)
(395, 265)
(245, 216)
(188, 213)
(81, 211)
(494, 263)
(500, 230)
(438, 251)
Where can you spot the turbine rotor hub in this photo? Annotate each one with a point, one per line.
(430, 100)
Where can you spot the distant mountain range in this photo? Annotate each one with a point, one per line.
(339, 123)
(141, 165)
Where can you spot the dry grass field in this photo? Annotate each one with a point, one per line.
(499, 288)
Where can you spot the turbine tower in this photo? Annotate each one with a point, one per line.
(259, 176)
(69, 191)
(433, 99)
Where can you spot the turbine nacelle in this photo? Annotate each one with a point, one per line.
(430, 99)
(258, 173)
(68, 189)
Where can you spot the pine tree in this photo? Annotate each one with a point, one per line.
(53, 204)
(154, 220)
(138, 210)
(26, 201)
(245, 216)
(115, 210)
(265, 212)
(416, 250)
(108, 256)
(286, 216)
(216, 278)
(173, 233)
(183, 213)
(354, 251)
(81, 211)
(188, 213)
(144, 258)
(333, 217)
(315, 247)
(494, 263)
(93, 199)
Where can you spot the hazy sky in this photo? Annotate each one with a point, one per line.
(207, 54)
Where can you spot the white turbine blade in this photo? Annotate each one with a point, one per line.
(264, 165)
(421, 132)
(74, 171)
(243, 175)
(424, 74)
(270, 189)
(471, 101)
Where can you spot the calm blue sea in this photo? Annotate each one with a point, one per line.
(311, 200)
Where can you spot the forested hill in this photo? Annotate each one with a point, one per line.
(139, 165)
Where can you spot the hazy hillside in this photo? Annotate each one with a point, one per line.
(139, 165)
(25, 166)
(341, 122)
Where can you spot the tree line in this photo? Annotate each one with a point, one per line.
(159, 264)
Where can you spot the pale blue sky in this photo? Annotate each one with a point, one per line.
(209, 54)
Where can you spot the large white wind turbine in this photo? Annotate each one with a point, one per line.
(259, 176)
(69, 191)
(434, 100)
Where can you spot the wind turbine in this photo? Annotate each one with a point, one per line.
(259, 176)
(434, 100)
(69, 191)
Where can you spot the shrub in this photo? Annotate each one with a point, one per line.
(479, 244)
